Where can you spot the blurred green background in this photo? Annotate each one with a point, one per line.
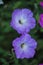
(7, 34)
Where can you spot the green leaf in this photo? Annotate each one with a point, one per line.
(40, 44)
(2, 37)
(3, 61)
(6, 27)
(41, 29)
(37, 16)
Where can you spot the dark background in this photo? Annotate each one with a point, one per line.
(7, 34)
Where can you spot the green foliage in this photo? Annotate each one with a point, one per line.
(7, 34)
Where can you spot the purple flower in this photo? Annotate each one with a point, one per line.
(24, 46)
(41, 20)
(22, 20)
(41, 3)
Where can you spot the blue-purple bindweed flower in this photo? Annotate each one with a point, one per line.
(22, 20)
(24, 46)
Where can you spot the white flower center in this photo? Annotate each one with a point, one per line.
(24, 46)
(22, 21)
